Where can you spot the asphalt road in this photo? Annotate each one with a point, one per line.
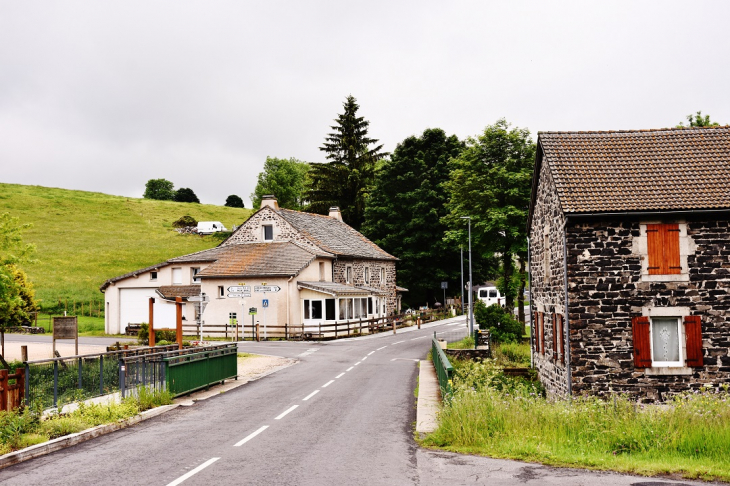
(342, 416)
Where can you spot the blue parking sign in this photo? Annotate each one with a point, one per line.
(265, 303)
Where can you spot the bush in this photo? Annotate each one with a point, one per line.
(143, 336)
(184, 222)
(503, 327)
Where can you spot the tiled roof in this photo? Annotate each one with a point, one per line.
(131, 274)
(641, 170)
(184, 291)
(333, 235)
(275, 259)
(334, 288)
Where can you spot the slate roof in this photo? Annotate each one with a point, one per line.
(333, 235)
(275, 259)
(184, 291)
(639, 170)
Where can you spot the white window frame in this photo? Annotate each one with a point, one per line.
(263, 232)
(348, 274)
(194, 271)
(367, 275)
(382, 276)
(178, 271)
(680, 343)
(153, 276)
(221, 291)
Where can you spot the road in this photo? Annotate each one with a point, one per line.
(343, 415)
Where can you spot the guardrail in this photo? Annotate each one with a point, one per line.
(444, 370)
(179, 371)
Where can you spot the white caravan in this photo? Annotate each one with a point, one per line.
(210, 227)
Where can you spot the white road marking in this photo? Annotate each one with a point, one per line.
(357, 363)
(341, 374)
(310, 395)
(250, 436)
(308, 352)
(193, 472)
(405, 359)
(382, 348)
(348, 369)
(399, 342)
(328, 383)
(364, 358)
(422, 337)
(286, 412)
(371, 352)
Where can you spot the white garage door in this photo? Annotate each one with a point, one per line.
(134, 309)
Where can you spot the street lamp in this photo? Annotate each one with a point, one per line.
(471, 282)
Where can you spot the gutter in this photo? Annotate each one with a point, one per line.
(644, 213)
(566, 331)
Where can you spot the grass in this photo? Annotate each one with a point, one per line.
(498, 416)
(20, 429)
(84, 238)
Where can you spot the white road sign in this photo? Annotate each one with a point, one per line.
(266, 288)
(239, 288)
(234, 295)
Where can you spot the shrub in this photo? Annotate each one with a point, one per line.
(143, 336)
(184, 222)
(503, 327)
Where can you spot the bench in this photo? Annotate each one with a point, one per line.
(133, 329)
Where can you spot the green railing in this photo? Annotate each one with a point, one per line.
(189, 372)
(444, 370)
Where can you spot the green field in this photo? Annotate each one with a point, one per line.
(84, 238)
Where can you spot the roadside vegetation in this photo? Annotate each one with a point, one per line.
(500, 416)
(20, 429)
(83, 238)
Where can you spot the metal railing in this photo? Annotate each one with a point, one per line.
(179, 371)
(57, 381)
(444, 370)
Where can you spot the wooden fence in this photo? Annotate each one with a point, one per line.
(12, 396)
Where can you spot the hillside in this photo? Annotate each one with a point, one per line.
(84, 238)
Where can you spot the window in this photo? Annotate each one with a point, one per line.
(541, 323)
(343, 309)
(382, 277)
(662, 242)
(306, 309)
(153, 276)
(558, 338)
(483, 293)
(329, 305)
(493, 294)
(546, 252)
(666, 341)
(316, 309)
(321, 271)
(348, 274)
(177, 276)
(364, 307)
(221, 292)
(370, 305)
(367, 275)
(194, 274)
(268, 232)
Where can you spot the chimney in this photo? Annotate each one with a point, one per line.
(270, 201)
(335, 213)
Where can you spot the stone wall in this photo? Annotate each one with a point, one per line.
(606, 290)
(251, 231)
(339, 267)
(547, 284)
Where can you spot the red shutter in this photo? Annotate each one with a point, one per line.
(542, 333)
(642, 345)
(693, 338)
(663, 247)
(536, 332)
(555, 337)
(654, 246)
(561, 339)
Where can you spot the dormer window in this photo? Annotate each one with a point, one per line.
(268, 232)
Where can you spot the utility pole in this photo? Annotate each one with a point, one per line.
(471, 282)
(462, 278)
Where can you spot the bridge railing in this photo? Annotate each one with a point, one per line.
(444, 370)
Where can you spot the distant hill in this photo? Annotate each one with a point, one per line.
(84, 238)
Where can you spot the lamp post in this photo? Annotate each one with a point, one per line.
(461, 248)
(471, 282)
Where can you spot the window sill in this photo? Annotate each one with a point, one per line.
(668, 371)
(677, 277)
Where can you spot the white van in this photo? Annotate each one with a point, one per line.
(490, 295)
(210, 227)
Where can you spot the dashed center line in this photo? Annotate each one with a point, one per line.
(348, 369)
(382, 347)
(307, 352)
(364, 358)
(399, 342)
(328, 383)
(193, 472)
(310, 395)
(371, 352)
(250, 436)
(286, 412)
(357, 363)
(341, 374)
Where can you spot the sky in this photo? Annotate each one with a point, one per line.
(103, 96)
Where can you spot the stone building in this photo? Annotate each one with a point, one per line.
(629, 241)
(324, 270)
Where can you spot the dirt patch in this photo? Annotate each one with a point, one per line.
(254, 367)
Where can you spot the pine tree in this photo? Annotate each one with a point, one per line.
(349, 174)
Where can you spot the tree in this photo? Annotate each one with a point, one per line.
(405, 210)
(697, 120)
(21, 313)
(234, 201)
(284, 178)
(160, 189)
(186, 195)
(184, 222)
(347, 178)
(490, 181)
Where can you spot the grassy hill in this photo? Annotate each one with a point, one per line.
(84, 238)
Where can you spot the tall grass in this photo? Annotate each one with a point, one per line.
(493, 415)
(84, 238)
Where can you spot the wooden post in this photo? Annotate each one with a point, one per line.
(3, 389)
(418, 321)
(393, 326)
(178, 305)
(20, 382)
(152, 322)
(258, 337)
(24, 353)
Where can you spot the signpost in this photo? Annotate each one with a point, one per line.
(252, 313)
(240, 291)
(266, 288)
(265, 304)
(444, 285)
(65, 328)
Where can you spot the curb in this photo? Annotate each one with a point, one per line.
(77, 438)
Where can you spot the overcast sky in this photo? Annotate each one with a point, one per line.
(102, 95)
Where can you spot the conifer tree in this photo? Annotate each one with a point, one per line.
(348, 175)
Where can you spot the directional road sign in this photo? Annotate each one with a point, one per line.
(238, 295)
(239, 288)
(266, 288)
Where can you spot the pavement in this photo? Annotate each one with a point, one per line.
(344, 414)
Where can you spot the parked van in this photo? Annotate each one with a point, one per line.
(490, 295)
(210, 227)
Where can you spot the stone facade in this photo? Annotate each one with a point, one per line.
(251, 231)
(339, 269)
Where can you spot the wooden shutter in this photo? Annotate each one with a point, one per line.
(561, 339)
(542, 333)
(693, 340)
(663, 246)
(535, 332)
(642, 343)
(554, 324)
